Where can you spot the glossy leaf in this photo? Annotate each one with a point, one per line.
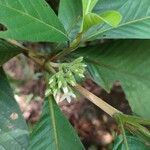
(13, 129)
(7, 51)
(135, 22)
(53, 131)
(127, 61)
(70, 14)
(31, 20)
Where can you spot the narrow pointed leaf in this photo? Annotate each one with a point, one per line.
(31, 20)
(135, 119)
(143, 133)
(53, 131)
(13, 129)
(125, 61)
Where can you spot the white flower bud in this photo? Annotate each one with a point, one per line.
(65, 90)
(68, 99)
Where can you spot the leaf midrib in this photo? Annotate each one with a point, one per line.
(50, 26)
(51, 109)
(121, 25)
(88, 7)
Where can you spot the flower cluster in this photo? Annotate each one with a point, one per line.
(61, 82)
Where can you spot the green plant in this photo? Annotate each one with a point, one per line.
(77, 22)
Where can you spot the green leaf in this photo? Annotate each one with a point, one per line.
(135, 22)
(133, 143)
(53, 132)
(11, 135)
(135, 119)
(13, 129)
(127, 61)
(140, 131)
(112, 18)
(70, 14)
(7, 51)
(88, 6)
(31, 20)
(133, 125)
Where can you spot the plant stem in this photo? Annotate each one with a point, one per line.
(13, 42)
(97, 101)
(90, 96)
(123, 133)
(73, 46)
(62, 54)
(94, 99)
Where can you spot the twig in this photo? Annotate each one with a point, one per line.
(90, 96)
(97, 101)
